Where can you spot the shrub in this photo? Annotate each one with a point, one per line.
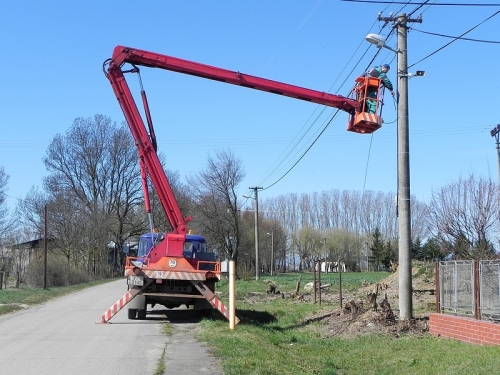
(58, 273)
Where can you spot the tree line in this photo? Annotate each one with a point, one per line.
(92, 197)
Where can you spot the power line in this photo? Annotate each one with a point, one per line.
(424, 3)
(283, 160)
(455, 37)
(251, 141)
(454, 40)
(303, 154)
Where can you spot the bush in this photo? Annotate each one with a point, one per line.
(58, 273)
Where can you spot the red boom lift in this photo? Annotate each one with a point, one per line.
(166, 262)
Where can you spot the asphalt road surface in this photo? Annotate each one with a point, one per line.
(65, 336)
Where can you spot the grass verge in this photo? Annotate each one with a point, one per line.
(277, 337)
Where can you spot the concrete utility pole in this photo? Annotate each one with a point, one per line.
(404, 214)
(256, 197)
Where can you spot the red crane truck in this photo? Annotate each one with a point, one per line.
(176, 268)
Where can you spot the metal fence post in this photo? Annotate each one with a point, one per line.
(438, 289)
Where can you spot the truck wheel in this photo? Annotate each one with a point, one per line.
(141, 314)
(132, 313)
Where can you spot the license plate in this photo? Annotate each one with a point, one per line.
(135, 280)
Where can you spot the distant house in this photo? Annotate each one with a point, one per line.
(16, 257)
(129, 248)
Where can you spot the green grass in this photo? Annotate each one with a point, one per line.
(160, 367)
(287, 282)
(276, 337)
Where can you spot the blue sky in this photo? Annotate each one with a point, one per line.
(52, 55)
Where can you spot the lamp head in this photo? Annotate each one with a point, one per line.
(376, 39)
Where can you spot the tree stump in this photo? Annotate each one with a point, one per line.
(394, 267)
(351, 307)
(272, 289)
(372, 298)
(387, 313)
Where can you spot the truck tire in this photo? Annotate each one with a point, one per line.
(141, 314)
(132, 313)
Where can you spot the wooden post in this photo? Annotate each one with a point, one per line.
(232, 297)
(340, 283)
(319, 280)
(314, 279)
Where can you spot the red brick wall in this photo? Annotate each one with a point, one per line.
(464, 329)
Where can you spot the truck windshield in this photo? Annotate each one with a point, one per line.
(143, 248)
(203, 247)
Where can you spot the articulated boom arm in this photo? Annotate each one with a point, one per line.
(144, 141)
(122, 55)
(147, 150)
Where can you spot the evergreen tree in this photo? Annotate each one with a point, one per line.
(416, 249)
(377, 250)
(391, 254)
(432, 251)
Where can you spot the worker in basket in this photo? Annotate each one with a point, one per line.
(379, 72)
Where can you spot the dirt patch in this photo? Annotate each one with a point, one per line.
(361, 316)
(366, 322)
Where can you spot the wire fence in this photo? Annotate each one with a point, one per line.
(469, 288)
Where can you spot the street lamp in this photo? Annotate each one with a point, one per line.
(256, 198)
(379, 41)
(403, 155)
(495, 132)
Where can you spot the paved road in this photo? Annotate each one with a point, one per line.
(62, 337)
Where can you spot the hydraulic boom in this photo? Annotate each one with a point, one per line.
(176, 268)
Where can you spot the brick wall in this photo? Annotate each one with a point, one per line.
(464, 329)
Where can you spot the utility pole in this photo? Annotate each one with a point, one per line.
(256, 197)
(45, 249)
(403, 161)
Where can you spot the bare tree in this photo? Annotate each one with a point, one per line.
(465, 213)
(6, 221)
(31, 211)
(344, 245)
(356, 214)
(95, 164)
(214, 191)
(7, 225)
(309, 245)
